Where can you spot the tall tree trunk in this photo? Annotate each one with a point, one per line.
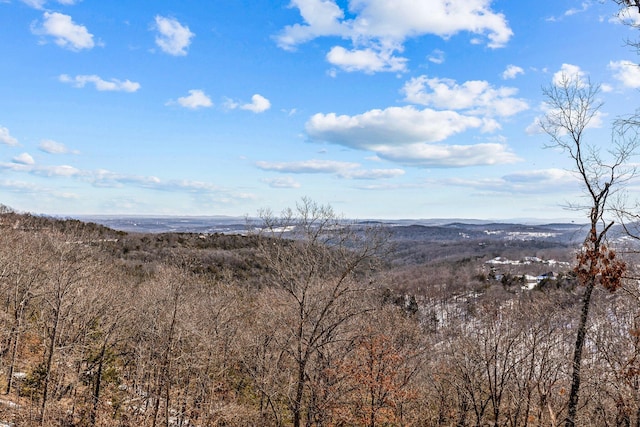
(577, 355)
(15, 341)
(53, 336)
(98, 384)
(297, 404)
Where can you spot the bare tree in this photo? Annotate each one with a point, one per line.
(573, 106)
(317, 263)
(629, 3)
(69, 271)
(21, 277)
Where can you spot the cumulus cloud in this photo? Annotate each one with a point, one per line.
(196, 99)
(6, 138)
(378, 28)
(346, 170)
(173, 38)
(414, 136)
(408, 135)
(393, 125)
(367, 60)
(24, 159)
(628, 16)
(569, 73)
(114, 85)
(258, 104)
(64, 31)
(511, 72)
(285, 182)
(53, 147)
(627, 72)
(475, 96)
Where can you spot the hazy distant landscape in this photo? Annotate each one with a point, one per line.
(430, 227)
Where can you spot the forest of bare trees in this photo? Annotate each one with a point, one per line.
(302, 322)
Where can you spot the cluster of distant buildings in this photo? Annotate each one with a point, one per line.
(530, 281)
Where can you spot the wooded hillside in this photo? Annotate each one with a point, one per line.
(305, 321)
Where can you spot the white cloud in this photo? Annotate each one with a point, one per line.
(108, 179)
(628, 16)
(6, 138)
(212, 192)
(39, 4)
(407, 135)
(437, 56)
(449, 156)
(627, 72)
(259, 104)
(24, 159)
(65, 32)
(570, 73)
(196, 99)
(394, 125)
(173, 38)
(545, 177)
(476, 96)
(606, 88)
(378, 28)
(525, 182)
(23, 187)
(24, 164)
(346, 170)
(367, 60)
(307, 166)
(512, 71)
(371, 174)
(100, 84)
(584, 6)
(574, 11)
(321, 17)
(53, 147)
(230, 104)
(286, 182)
(62, 170)
(36, 4)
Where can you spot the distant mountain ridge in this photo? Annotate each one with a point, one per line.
(404, 229)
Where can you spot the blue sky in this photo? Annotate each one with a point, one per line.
(382, 109)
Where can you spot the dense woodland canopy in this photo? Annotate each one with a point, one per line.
(304, 321)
